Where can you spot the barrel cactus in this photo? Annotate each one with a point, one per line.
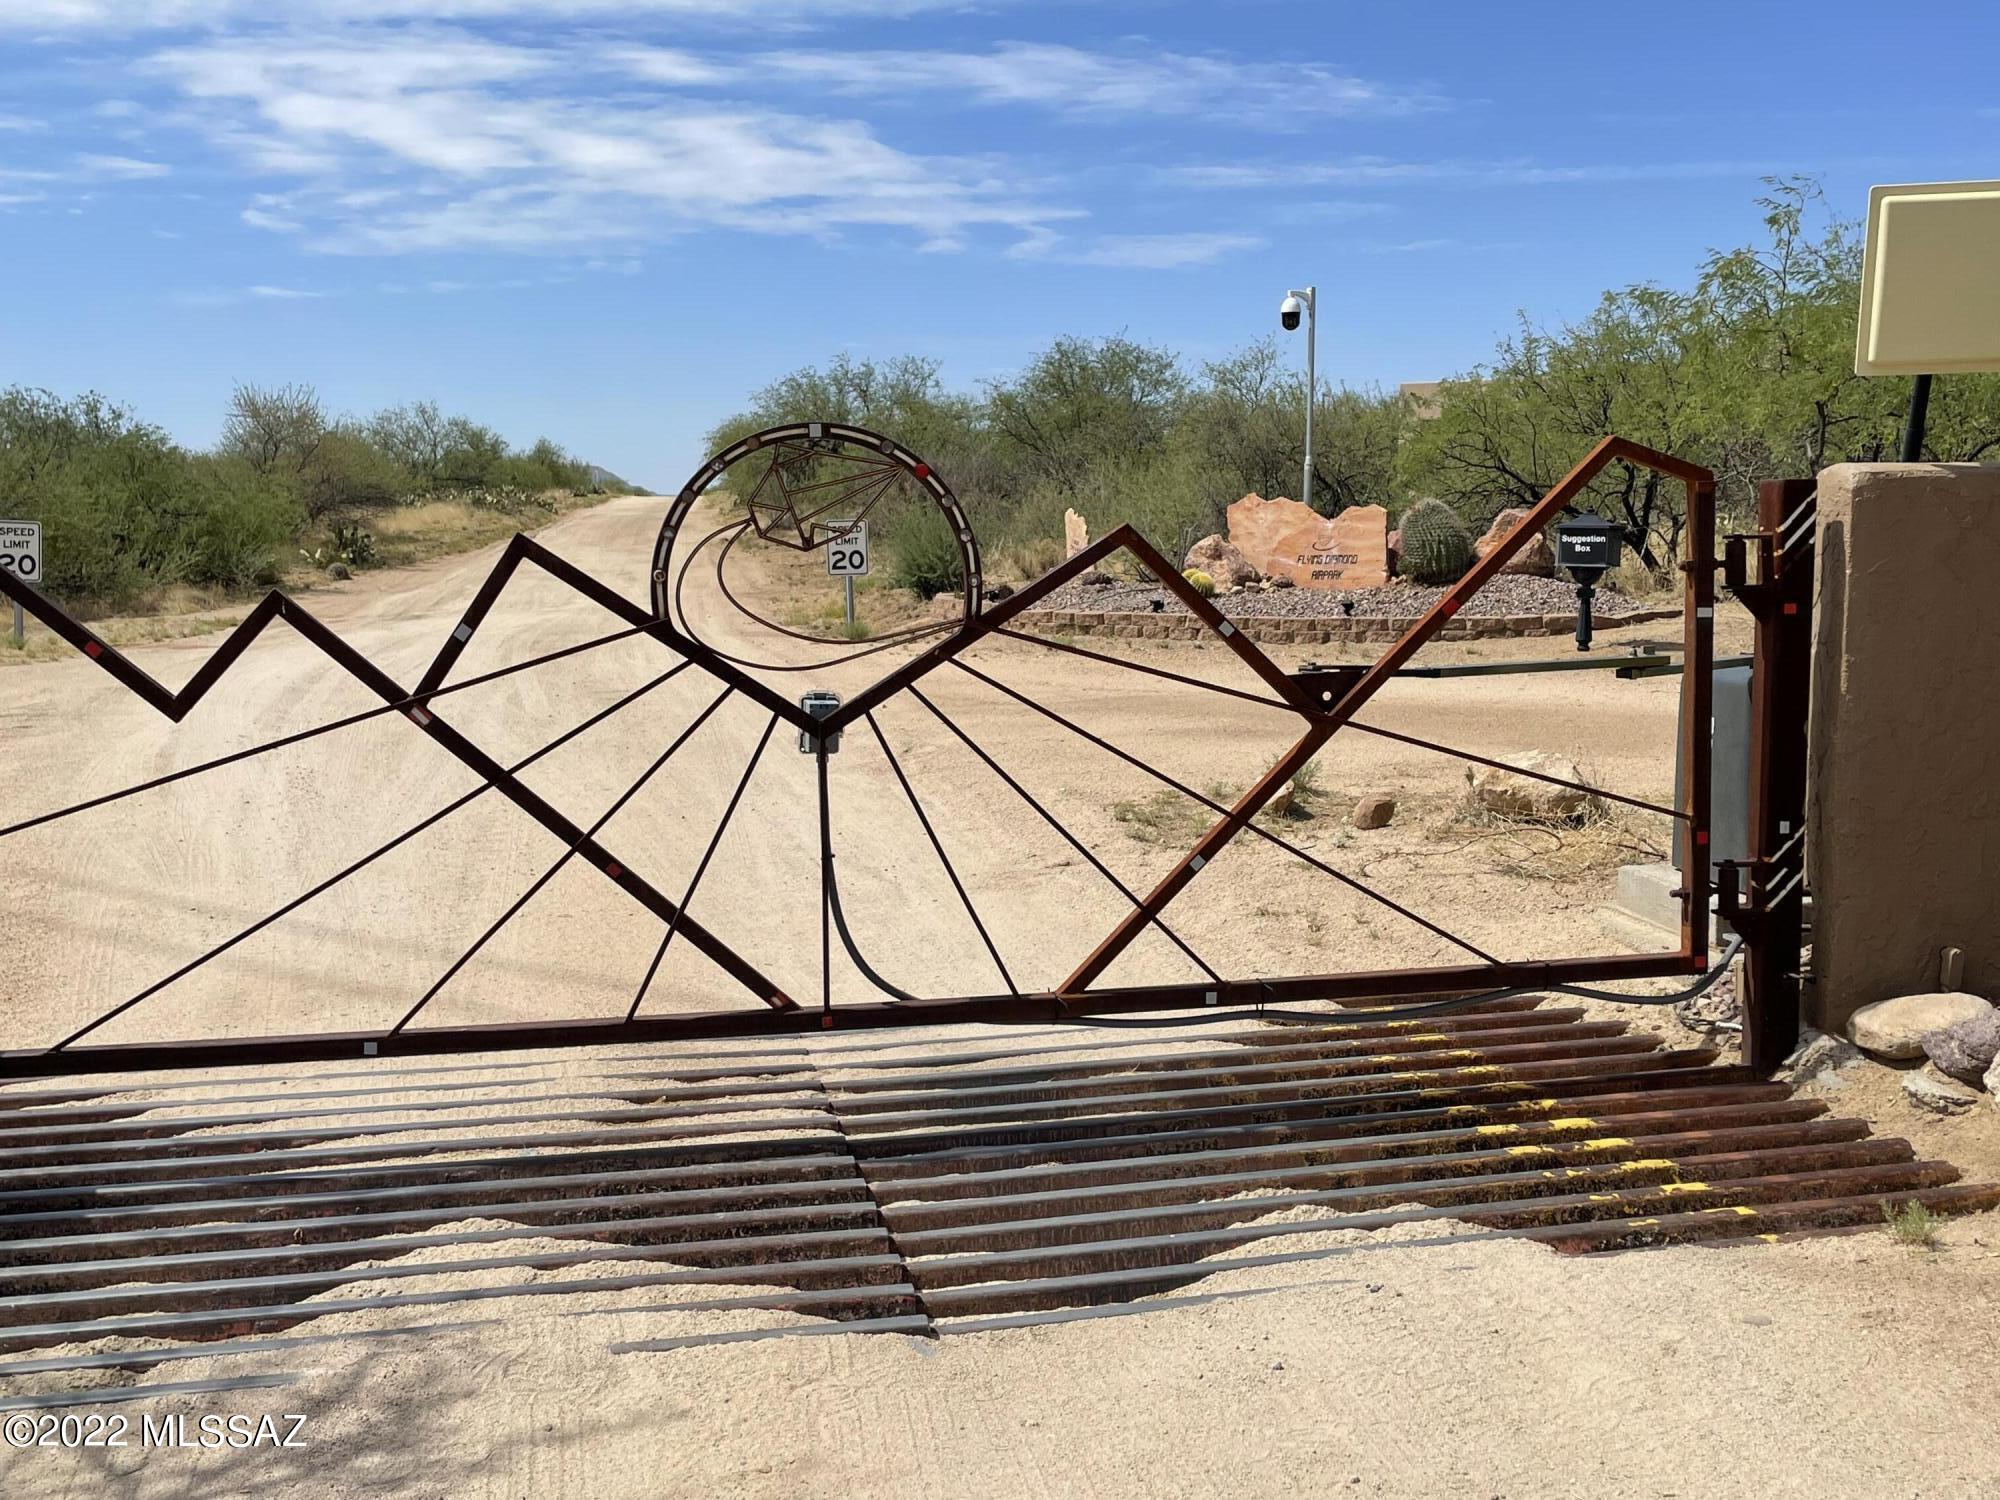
(1203, 584)
(1437, 547)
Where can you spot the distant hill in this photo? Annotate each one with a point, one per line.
(603, 479)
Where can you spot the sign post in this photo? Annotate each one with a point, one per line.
(21, 555)
(847, 558)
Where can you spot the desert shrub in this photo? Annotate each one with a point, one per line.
(1436, 545)
(923, 552)
(125, 509)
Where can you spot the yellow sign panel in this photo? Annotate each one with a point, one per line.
(1930, 280)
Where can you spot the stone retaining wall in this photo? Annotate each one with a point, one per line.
(1337, 630)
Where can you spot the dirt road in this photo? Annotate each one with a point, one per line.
(1399, 1367)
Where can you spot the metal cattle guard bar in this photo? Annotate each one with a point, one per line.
(1324, 702)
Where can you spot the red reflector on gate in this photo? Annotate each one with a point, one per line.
(923, 471)
(1791, 609)
(1701, 836)
(612, 870)
(92, 650)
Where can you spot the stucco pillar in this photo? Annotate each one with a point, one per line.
(1903, 826)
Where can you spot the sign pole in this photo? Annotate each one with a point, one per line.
(21, 555)
(849, 581)
(1920, 410)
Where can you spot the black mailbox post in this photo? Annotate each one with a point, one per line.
(1586, 548)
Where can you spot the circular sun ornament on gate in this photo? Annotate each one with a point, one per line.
(805, 486)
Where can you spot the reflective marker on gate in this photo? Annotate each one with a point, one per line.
(92, 650)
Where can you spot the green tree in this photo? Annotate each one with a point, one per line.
(1083, 402)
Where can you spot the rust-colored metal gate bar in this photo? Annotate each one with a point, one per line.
(1778, 591)
(1312, 698)
(1700, 619)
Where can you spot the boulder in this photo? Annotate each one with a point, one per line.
(1214, 556)
(1506, 794)
(1966, 1049)
(1284, 539)
(947, 606)
(1993, 1083)
(338, 571)
(1929, 1089)
(1374, 811)
(1076, 533)
(1537, 559)
(998, 592)
(1819, 1056)
(1096, 578)
(1897, 1028)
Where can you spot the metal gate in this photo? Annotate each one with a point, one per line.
(828, 465)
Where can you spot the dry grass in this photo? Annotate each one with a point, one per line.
(1586, 844)
(173, 614)
(408, 534)
(1167, 817)
(1912, 1225)
(1027, 559)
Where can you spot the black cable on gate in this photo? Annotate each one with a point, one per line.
(1409, 1012)
(830, 895)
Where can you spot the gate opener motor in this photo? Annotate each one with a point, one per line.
(820, 705)
(1586, 548)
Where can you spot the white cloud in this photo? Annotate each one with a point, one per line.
(1074, 81)
(129, 168)
(127, 16)
(15, 200)
(223, 297)
(1139, 252)
(1378, 171)
(21, 124)
(434, 140)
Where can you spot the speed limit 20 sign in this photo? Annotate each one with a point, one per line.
(21, 550)
(847, 550)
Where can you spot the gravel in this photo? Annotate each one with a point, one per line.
(1510, 594)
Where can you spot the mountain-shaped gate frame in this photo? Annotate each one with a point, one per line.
(1324, 704)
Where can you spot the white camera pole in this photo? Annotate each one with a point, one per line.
(1309, 296)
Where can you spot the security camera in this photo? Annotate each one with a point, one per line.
(1289, 311)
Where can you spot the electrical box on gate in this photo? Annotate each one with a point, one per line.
(820, 704)
(1729, 770)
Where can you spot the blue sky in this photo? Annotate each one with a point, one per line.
(608, 220)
